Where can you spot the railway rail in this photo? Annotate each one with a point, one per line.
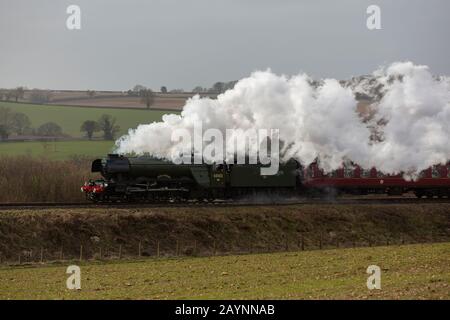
(335, 201)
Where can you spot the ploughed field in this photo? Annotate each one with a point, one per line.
(420, 271)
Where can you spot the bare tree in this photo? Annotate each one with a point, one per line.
(138, 88)
(20, 123)
(4, 133)
(40, 96)
(49, 129)
(199, 89)
(147, 97)
(90, 126)
(8, 95)
(6, 117)
(13, 122)
(108, 125)
(5, 122)
(18, 93)
(218, 87)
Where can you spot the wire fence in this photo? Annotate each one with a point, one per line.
(182, 248)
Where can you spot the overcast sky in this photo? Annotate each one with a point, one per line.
(184, 43)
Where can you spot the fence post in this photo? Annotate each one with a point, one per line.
(120, 251)
(320, 241)
(61, 255)
(139, 249)
(177, 251)
(303, 243)
(42, 255)
(337, 242)
(157, 249)
(214, 248)
(20, 258)
(286, 244)
(81, 252)
(195, 247)
(101, 253)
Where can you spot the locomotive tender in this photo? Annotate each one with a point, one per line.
(128, 179)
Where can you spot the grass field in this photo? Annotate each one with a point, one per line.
(59, 150)
(407, 272)
(71, 118)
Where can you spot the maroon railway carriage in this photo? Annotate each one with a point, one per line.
(433, 182)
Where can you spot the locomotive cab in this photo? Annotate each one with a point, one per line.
(97, 166)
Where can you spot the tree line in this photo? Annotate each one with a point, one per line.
(144, 92)
(218, 87)
(105, 123)
(35, 96)
(19, 124)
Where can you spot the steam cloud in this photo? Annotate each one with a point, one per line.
(410, 118)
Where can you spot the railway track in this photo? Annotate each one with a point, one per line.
(336, 201)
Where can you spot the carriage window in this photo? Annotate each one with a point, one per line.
(348, 172)
(380, 174)
(435, 172)
(332, 174)
(365, 173)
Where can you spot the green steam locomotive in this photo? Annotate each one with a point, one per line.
(130, 179)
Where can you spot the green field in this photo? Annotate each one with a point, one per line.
(59, 150)
(411, 271)
(71, 118)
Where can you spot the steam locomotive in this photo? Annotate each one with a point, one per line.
(129, 179)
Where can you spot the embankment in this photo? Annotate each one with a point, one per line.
(200, 231)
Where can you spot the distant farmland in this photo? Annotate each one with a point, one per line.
(126, 102)
(116, 99)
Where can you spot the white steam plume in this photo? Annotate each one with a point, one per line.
(321, 121)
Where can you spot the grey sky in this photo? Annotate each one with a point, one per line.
(184, 43)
